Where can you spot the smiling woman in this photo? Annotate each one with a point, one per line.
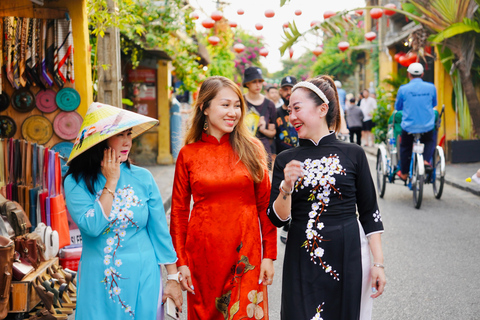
(225, 255)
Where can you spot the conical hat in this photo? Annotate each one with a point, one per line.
(103, 121)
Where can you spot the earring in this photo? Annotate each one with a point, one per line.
(205, 125)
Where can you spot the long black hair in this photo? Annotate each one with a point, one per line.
(87, 165)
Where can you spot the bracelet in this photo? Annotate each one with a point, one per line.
(285, 193)
(378, 265)
(109, 191)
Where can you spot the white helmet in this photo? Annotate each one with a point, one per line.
(338, 84)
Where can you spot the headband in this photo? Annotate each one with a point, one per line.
(314, 88)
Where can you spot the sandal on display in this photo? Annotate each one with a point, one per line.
(47, 299)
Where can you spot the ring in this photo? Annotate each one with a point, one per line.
(109, 161)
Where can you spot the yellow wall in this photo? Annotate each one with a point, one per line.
(163, 100)
(443, 83)
(388, 66)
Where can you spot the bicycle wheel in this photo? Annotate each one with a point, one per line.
(381, 175)
(438, 174)
(417, 182)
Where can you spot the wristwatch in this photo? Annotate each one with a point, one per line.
(175, 277)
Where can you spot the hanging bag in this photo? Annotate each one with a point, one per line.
(44, 193)
(6, 263)
(58, 210)
(33, 192)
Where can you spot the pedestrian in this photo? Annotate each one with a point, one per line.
(319, 186)
(118, 209)
(368, 105)
(226, 244)
(342, 94)
(262, 107)
(416, 100)
(274, 95)
(354, 121)
(286, 137)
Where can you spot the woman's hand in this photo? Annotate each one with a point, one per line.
(186, 279)
(173, 291)
(266, 272)
(378, 281)
(262, 124)
(111, 166)
(292, 171)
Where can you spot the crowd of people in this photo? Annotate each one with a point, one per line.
(252, 162)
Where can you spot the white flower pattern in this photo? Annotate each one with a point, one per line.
(319, 175)
(120, 218)
(317, 315)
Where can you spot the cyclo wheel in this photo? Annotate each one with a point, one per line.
(438, 174)
(381, 176)
(417, 183)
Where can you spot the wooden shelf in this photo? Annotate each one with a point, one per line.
(23, 296)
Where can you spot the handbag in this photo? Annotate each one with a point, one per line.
(50, 240)
(33, 192)
(21, 267)
(43, 193)
(6, 264)
(27, 248)
(58, 210)
(15, 216)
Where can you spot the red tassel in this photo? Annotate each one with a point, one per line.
(388, 23)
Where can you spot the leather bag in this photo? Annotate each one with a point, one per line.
(6, 263)
(15, 215)
(50, 240)
(28, 250)
(58, 210)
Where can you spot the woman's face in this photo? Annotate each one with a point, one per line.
(223, 113)
(255, 86)
(305, 116)
(121, 143)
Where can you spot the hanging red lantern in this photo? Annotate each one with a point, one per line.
(298, 12)
(376, 13)
(318, 51)
(269, 13)
(208, 23)
(314, 23)
(285, 25)
(398, 55)
(238, 47)
(390, 12)
(232, 24)
(216, 15)
(194, 16)
(213, 40)
(259, 26)
(263, 52)
(290, 52)
(412, 57)
(359, 12)
(240, 12)
(328, 14)
(403, 60)
(343, 45)
(370, 36)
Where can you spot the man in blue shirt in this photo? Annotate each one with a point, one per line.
(416, 99)
(342, 94)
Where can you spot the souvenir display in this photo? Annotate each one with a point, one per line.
(4, 101)
(37, 129)
(45, 100)
(7, 127)
(23, 100)
(67, 124)
(68, 99)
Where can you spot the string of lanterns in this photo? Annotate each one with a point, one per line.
(375, 13)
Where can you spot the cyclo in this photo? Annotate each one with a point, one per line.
(388, 162)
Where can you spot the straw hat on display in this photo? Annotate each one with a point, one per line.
(103, 121)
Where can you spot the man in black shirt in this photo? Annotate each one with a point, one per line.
(286, 136)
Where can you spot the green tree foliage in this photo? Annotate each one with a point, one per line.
(222, 58)
(300, 68)
(335, 62)
(146, 24)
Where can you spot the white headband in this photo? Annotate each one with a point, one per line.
(314, 88)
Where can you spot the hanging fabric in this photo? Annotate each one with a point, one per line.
(23, 51)
(45, 73)
(64, 54)
(8, 31)
(16, 52)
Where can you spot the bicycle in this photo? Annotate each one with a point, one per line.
(388, 161)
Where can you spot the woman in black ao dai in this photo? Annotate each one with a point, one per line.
(328, 273)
